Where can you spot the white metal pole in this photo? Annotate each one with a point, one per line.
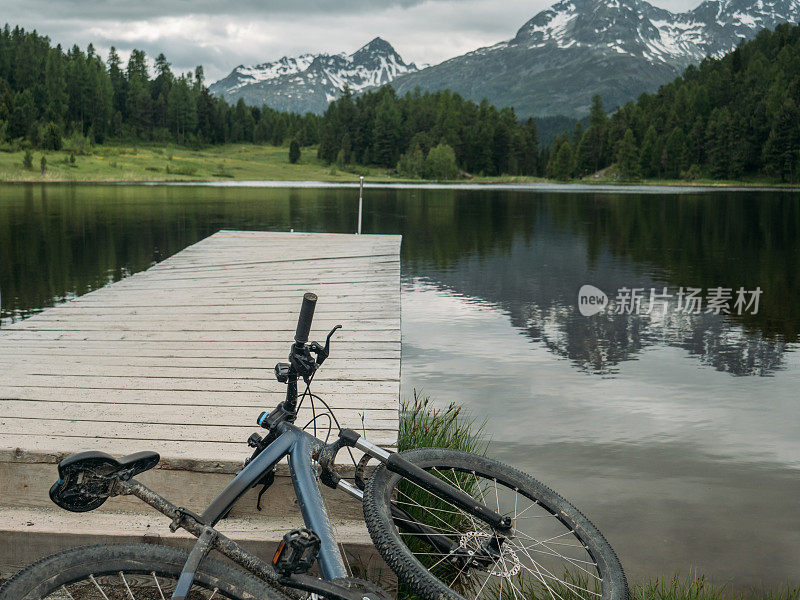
(360, 203)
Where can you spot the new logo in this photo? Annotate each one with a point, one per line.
(591, 300)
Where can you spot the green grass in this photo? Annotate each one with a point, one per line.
(720, 183)
(423, 426)
(128, 163)
(696, 587)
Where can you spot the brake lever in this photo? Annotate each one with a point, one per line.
(323, 353)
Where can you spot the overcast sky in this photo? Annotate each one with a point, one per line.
(221, 35)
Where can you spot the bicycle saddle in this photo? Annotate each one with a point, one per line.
(85, 480)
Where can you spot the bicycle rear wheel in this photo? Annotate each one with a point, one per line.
(553, 552)
(132, 572)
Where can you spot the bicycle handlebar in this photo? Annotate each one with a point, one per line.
(305, 318)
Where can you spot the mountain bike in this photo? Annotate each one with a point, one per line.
(450, 524)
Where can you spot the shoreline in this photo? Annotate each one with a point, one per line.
(265, 166)
(670, 187)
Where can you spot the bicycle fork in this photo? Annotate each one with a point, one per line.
(405, 522)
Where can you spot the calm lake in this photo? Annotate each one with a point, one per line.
(677, 433)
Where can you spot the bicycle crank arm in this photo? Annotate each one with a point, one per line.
(397, 464)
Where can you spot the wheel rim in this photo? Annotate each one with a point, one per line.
(544, 558)
(129, 585)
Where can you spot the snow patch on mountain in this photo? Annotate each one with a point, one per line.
(267, 71)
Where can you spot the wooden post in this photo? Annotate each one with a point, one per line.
(360, 203)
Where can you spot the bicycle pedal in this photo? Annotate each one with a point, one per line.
(296, 552)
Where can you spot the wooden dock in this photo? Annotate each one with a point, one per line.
(179, 359)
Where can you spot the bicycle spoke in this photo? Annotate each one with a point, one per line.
(158, 585)
(66, 591)
(127, 587)
(99, 589)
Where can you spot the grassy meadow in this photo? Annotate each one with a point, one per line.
(251, 162)
(176, 163)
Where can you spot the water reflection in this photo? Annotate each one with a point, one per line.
(679, 464)
(558, 243)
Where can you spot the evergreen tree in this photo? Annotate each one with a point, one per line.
(51, 139)
(118, 81)
(564, 163)
(782, 149)
(294, 151)
(596, 141)
(718, 143)
(675, 154)
(181, 116)
(56, 85)
(628, 156)
(550, 170)
(386, 132)
(650, 155)
(22, 116)
(584, 154)
(138, 101)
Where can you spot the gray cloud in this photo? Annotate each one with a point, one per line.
(221, 35)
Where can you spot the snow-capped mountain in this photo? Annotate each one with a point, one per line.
(309, 82)
(617, 48)
(242, 75)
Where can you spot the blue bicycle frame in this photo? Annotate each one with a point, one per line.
(299, 446)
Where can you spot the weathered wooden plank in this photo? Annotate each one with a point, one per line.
(169, 372)
(179, 398)
(137, 324)
(165, 414)
(68, 382)
(190, 336)
(188, 431)
(15, 340)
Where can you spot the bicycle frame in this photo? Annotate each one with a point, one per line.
(299, 446)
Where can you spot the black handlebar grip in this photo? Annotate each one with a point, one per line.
(306, 316)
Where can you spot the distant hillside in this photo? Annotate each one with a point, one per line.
(309, 82)
(735, 117)
(616, 48)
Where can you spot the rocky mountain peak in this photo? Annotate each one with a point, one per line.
(310, 81)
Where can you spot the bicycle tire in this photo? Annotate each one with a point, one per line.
(382, 490)
(74, 569)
